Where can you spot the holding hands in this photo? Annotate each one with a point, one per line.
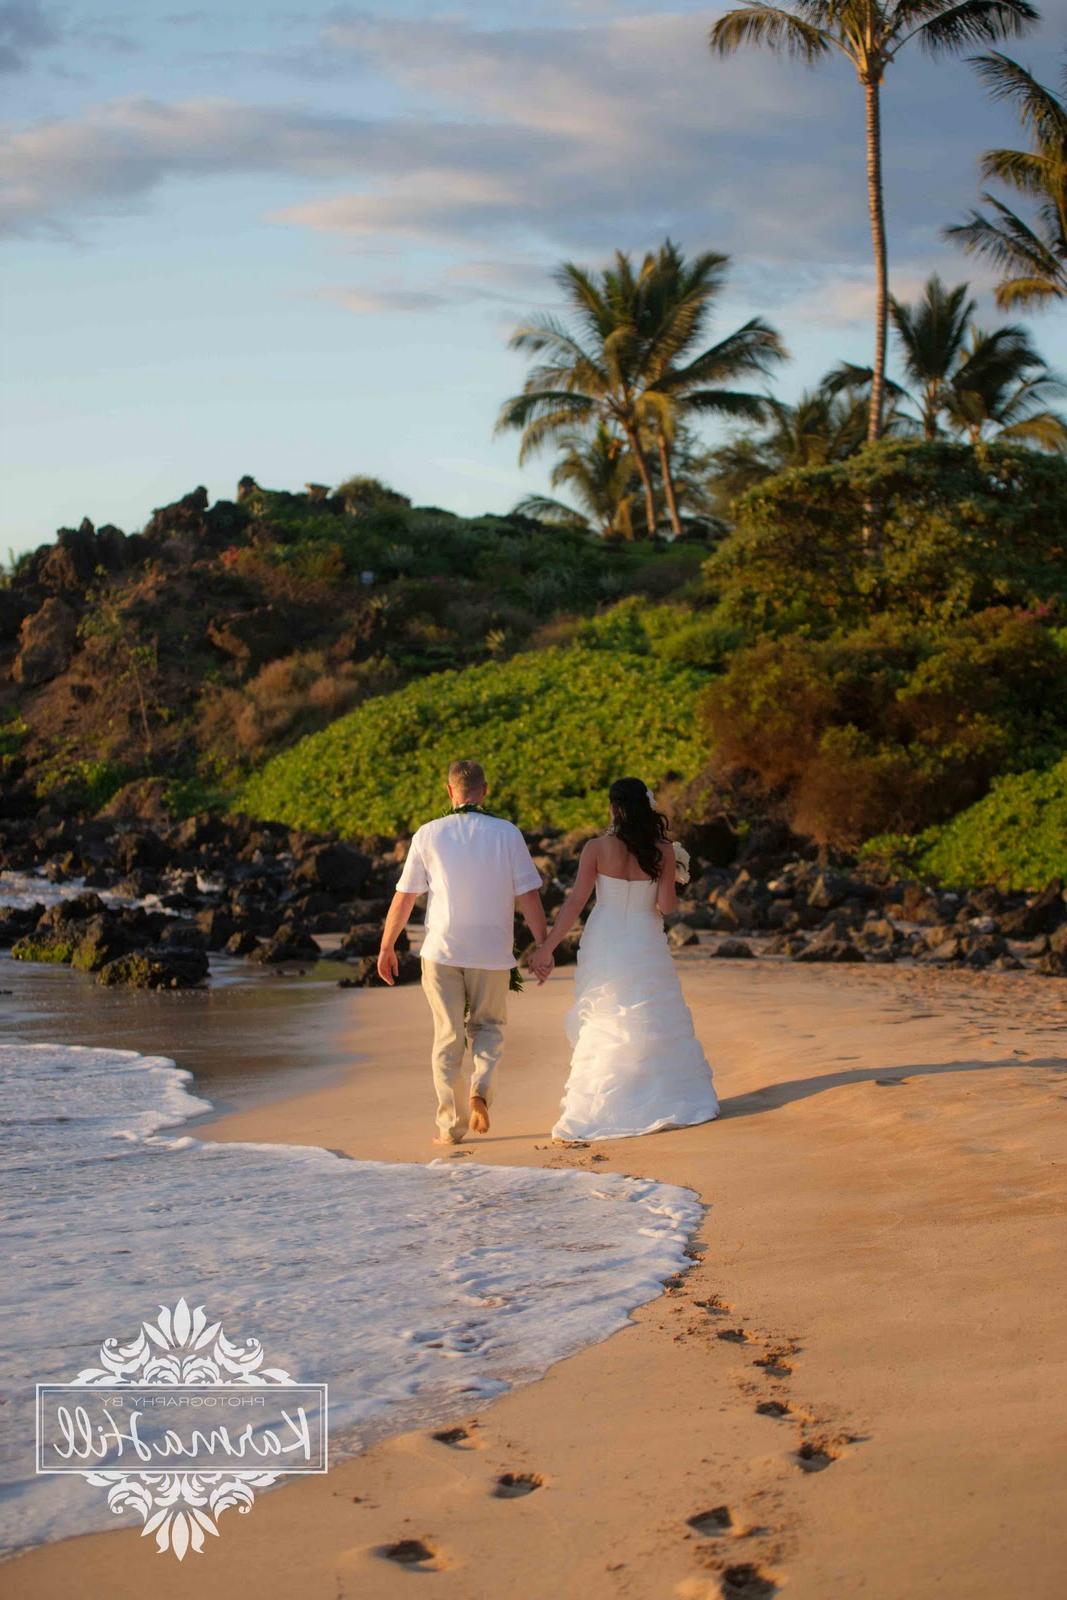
(540, 962)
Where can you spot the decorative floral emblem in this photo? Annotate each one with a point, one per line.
(181, 1347)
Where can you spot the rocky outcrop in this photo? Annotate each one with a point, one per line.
(46, 643)
(252, 638)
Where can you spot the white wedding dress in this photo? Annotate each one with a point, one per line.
(637, 1065)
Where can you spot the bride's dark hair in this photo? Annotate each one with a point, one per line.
(637, 823)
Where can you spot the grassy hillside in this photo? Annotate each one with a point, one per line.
(553, 729)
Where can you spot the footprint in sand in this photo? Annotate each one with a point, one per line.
(714, 1523)
(410, 1553)
(715, 1306)
(773, 1408)
(886, 1082)
(775, 1361)
(746, 1581)
(513, 1485)
(815, 1455)
(733, 1335)
(458, 1438)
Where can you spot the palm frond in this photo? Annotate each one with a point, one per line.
(769, 25)
(970, 22)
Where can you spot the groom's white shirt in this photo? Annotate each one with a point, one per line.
(472, 867)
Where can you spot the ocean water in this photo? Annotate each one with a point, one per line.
(22, 889)
(416, 1292)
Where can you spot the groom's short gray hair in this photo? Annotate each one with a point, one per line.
(467, 776)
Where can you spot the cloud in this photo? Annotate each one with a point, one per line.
(372, 302)
(24, 29)
(521, 144)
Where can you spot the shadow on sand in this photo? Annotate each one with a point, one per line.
(783, 1094)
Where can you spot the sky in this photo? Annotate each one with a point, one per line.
(293, 242)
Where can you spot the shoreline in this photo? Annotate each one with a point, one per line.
(883, 1195)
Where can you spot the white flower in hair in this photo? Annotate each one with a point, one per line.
(681, 862)
(651, 797)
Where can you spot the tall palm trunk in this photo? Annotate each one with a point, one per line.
(930, 410)
(645, 476)
(877, 211)
(668, 486)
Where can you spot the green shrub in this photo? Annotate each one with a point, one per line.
(1016, 835)
(84, 785)
(553, 729)
(955, 530)
(892, 727)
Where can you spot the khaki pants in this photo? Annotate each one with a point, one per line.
(483, 995)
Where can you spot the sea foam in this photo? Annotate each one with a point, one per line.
(415, 1292)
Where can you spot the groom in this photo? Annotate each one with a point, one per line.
(475, 868)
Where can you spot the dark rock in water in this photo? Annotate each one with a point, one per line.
(103, 939)
(831, 950)
(1044, 914)
(178, 935)
(367, 910)
(156, 968)
(678, 938)
(337, 868)
(218, 928)
(79, 908)
(53, 945)
(365, 972)
(46, 643)
(288, 944)
(15, 921)
(243, 943)
(365, 940)
(734, 949)
(140, 850)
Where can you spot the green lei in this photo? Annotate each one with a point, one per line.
(515, 980)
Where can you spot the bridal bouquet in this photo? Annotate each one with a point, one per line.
(681, 862)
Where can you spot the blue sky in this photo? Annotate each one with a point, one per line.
(292, 242)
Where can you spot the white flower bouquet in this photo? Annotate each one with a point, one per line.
(681, 862)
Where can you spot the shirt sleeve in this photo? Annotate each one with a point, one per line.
(414, 879)
(525, 875)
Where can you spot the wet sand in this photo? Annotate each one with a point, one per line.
(856, 1389)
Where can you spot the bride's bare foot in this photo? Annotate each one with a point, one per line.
(443, 1139)
(479, 1122)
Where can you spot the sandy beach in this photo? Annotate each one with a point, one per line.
(855, 1390)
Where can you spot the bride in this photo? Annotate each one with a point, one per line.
(637, 1065)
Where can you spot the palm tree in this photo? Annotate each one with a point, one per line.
(997, 379)
(674, 304)
(1031, 256)
(824, 424)
(625, 361)
(871, 34)
(931, 335)
(599, 474)
(1002, 384)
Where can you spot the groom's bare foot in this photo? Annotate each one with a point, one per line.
(479, 1121)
